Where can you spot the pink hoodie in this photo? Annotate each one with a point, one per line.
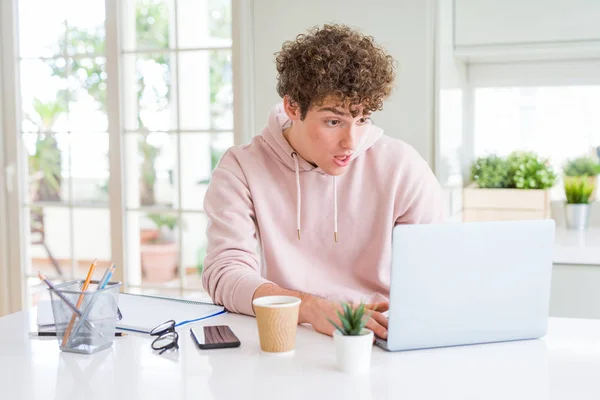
(260, 194)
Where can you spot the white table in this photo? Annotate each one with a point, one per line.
(563, 365)
(577, 247)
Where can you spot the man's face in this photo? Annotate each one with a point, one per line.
(328, 135)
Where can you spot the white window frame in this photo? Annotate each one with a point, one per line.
(4, 286)
(14, 237)
(12, 156)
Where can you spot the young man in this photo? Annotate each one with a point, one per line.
(308, 207)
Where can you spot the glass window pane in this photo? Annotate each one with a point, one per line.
(206, 90)
(147, 24)
(44, 95)
(89, 168)
(50, 241)
(91, 239)
(41, 28)
(195, 169)
(151, 169)
(85, 26)
(87, 95)
(203, 23)
(200, 154)
(48, 162)
(159, 248)
(148, 92)
(193, 242)
(556, 122)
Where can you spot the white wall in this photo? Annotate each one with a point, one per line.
(492, 22)
(516, 30)
(575, 291)
(404, 27)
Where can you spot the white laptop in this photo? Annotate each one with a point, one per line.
(468, 283)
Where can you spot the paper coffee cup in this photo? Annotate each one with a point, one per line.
(277, 319)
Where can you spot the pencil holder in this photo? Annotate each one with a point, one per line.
(92, 327)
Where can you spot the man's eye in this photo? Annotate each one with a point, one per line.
(332, 122)
(364, 120)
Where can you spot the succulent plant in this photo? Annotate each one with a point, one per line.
(352, 319)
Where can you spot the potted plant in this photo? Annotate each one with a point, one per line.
(577, 208)
(583, 167)
(159, 255)
(353, 342)
(508, 188)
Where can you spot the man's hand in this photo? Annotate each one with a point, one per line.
(315, 311)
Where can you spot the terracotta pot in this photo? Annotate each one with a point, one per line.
(159, 261)
(148, 235)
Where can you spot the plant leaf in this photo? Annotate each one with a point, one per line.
(339, 328)
(345, 322)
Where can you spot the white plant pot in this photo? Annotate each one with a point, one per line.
(353, 353)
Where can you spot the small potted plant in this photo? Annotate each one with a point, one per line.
(159, 255)
(582, 167)
(353, 342)
(577, 208)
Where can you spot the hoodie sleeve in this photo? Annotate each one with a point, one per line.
(231, 267)
(419, 196)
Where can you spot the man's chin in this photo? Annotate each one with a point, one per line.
(335, 170)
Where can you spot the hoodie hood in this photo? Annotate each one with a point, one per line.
(277, 122)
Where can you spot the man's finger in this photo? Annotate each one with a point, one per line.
(379, 307)
(380, 318)
(377, 329)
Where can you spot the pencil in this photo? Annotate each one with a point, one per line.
(86, 283)
(35, 334)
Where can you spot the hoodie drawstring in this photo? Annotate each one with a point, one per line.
(299, 202)
(334, 210)
(298, 194)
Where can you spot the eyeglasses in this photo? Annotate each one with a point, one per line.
(167, 337)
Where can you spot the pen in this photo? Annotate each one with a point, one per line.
(36, 334)
(59, 294)
(104, 276)
(63, 298)
(104, 281)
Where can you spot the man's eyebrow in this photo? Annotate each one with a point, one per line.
(334, 110)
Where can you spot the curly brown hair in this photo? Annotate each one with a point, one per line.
(335, 61)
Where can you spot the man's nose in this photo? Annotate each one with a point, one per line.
(349, 138)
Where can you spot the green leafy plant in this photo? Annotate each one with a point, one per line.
(578, 190)
(353, 319)
(166, 225)
(45, 163)
(528, 171)
(582, 166)
(521, 170)
(490, 172)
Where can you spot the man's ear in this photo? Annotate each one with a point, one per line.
(292, 109)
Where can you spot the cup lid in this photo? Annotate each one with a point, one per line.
(276, 301)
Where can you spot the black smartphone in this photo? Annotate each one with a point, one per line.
(214, 337)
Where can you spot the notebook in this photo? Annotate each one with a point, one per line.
(142, 313)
